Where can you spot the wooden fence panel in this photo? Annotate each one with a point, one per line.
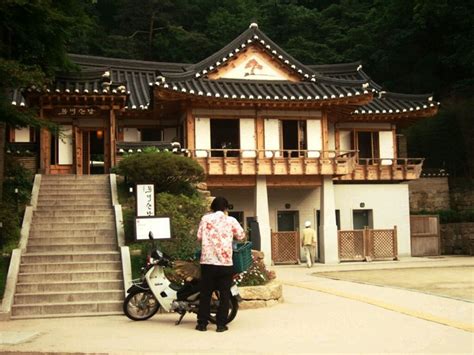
(285, 247)
(382, 244)
(425, 235)
(368, 244)
(351, 245)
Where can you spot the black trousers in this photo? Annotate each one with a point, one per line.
(219, 278)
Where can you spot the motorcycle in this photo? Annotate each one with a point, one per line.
(153, 290)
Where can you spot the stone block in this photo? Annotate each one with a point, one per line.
(271, 291)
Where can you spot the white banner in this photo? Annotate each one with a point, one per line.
(145, 200)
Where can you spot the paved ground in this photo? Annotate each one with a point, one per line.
(319, 315)
(455, 282)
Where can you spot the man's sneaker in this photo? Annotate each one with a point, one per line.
(221, 328)
(201, 327)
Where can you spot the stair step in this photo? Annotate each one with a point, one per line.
(38, 220)
(69, 276)
(67, 286)
(63, 297)
(68, 315)
(74, 213)
(73, 233)
(79, 205)
(42, 258)
(48, 226)
(70, 248)
(65, 308)
(73, 197)
(71, 266)
(35, 241)
(75, 189)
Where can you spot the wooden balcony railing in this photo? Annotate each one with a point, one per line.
(386, 169)
(274, 162)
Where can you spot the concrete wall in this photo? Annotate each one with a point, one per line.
(429, 194)
(388, 202)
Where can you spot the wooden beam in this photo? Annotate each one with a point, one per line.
(230, 181)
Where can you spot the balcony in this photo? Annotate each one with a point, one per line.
(274, 162)
(385, 169)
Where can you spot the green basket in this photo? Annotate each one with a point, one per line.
(242, 257)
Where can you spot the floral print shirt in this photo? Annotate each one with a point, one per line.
(216, 232)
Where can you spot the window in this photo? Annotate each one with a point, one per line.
(225, 134)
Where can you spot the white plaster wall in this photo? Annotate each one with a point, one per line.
(389, 204)
(345, 140)
(131, 135)
(248, 140)
(331, 136)
(386, 147)
(203, 136)
(22, 135)
(65, 146)
(315, 138)
(272, 135)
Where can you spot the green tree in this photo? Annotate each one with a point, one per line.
(33, 42)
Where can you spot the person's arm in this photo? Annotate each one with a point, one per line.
(200, 230)
(237, 229)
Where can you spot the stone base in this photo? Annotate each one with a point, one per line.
(261, 296)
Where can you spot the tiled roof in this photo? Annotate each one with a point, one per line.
(138, 79)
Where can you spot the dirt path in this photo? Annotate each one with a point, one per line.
(455, 282)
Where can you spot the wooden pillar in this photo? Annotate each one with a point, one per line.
(112, 129)
(325, 133)
(394, 137)
(190, 130)
(78, 151)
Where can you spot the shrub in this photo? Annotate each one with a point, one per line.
(10, 230)
(167, 171)
(185, 213)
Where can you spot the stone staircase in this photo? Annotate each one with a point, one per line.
(72, 265)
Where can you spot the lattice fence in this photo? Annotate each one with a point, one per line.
(285, 247)
(382, 244)
(368, 244)
(351, 245)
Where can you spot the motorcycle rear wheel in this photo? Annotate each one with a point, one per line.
(140, 305)
(233, 308)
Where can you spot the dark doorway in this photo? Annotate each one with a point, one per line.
(362, 219)
(288, 221)
(294, 137)
(368, 145)
(239, 216)
(225, 134)
(93, 152)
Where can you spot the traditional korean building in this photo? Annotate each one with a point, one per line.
(285, 142)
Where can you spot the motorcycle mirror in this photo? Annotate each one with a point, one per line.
(150, 235)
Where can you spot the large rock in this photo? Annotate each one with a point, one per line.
(270, 291)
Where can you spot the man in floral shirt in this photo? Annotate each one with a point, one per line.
(216, 233)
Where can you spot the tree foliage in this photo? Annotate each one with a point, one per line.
(167, 171)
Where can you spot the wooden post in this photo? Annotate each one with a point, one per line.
(259, 133)
(395, 243)
(367, 244)
(325, 133)
(78, 148)
(190, 130)
(112, 128)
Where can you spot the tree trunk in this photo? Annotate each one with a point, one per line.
(2, 157)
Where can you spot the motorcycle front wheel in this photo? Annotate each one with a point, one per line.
(140, 305)
(233, 308)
